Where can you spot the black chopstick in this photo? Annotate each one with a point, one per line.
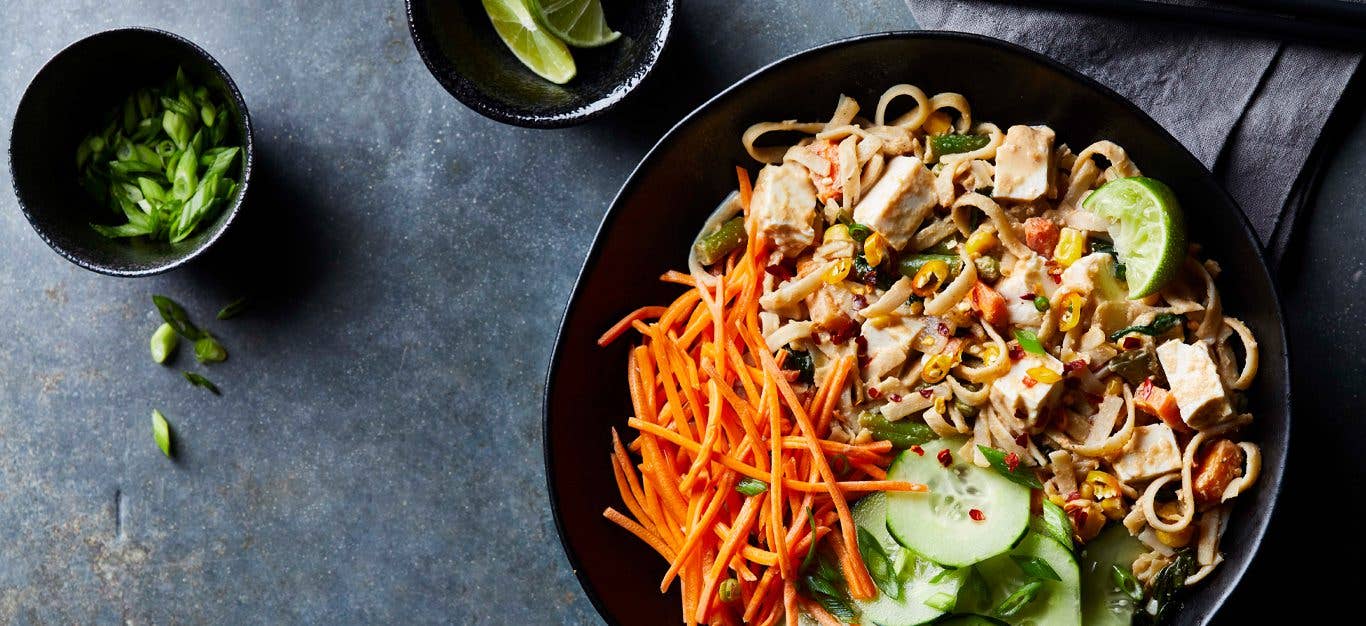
(1341, 27)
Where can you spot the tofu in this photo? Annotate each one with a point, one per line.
(829, 304)
(1028, 276)
(1011, 392)
(889, 343)
(899, 202)
(1024, 164)
(1093, 274)
(783, 207)
(1195, 383)
(1151, 453)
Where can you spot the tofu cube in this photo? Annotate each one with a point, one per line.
(783, 207)
(1024, 164)
(1195, 382)
(1011, 391)
(1151, 453)
(899, 202)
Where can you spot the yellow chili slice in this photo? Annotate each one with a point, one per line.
(1044, 375)
(875, 249)
(936, 368)
(930, 277)
(1070, 315)
(837, 271)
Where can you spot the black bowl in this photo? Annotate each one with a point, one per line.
(461, 49)
(650, 226)
(70, 97)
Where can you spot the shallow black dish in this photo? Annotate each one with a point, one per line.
(461, 49)
(652, 222)
(69, 98)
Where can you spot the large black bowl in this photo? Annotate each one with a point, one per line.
(69, 98)
(652, 221)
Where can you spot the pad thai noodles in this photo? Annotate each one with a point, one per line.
(923, 366)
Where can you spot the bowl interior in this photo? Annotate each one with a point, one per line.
(653, 220)
(460, 47)
(71, 97)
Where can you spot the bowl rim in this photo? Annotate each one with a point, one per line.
(1270, 478)
(469, 94)
(229, 212)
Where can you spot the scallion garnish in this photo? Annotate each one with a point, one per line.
(751, 486)
(1017, 601)
(161, 432)
(208, 350)
(1029, 341)
(200, 381)
(1015, 471)
(879, 564)
(942, 601)
(163, 343)
(233, 309)
(175, 315)
(1035, 567)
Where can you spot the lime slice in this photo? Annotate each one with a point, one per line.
(535, 47)
(578, 22)
(1147, 228)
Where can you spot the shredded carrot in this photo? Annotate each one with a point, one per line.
(746, 191)
(618, 329)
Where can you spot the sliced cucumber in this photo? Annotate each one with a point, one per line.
(1102, 601)
(1058, 603)
(938, 525)
(914, 573)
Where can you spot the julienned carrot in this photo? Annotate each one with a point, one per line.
(746, 191)
(618, 329)
(639, 531)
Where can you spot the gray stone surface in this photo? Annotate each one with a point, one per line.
(376, 454)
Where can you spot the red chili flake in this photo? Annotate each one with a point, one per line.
(1021, 439)
(1073, 366)
(977, 515)
(862, 345)
(1016, 352)
(1012, 461)
(945, 457)
(874, 393)
(1029, 297)
(841, 329)
(1075, 495)
(944, 329)
(860, 303)
(1057, 278)
(896, 397)
(1079, 516)
(1132, 343)
(926, 392)
(918, 450)
(1029, 382)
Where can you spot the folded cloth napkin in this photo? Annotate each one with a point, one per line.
(1253, 106)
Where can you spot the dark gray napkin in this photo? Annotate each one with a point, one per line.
(1260, 103)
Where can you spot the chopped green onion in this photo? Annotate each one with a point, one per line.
(878, 563)
(1016, 602)
(1055, 523)
(1126, 583)
(859, 233)
(730, 590)
(234, 309)
(208, 350)
(163, 342)
(1035, 567)
(1019, 475)
(200, 381)
(161, 432)
(941, 602)
(1029, 341)
(175, 315)
(751, 486)
(810, 551)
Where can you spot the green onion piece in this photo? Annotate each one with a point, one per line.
(957, 144)
(942, 602)
(1035, 567)
(1029, 341)
(1126, 583)
(1041, 303)
(715, 246)
(161, 432)
(800, 360)
(902, 433)
(730, 590)
(163, 342)
(1020, 475)
(810, 551)
(208, 350)
(1016, 602)
(751, 486)
(1167, 583)
(879, 564)
(200, 381)
(234, 309)
(1160, 324)
(859, 233)
(175, 315)
(1055, 523)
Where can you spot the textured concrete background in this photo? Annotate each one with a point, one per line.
(376, 454)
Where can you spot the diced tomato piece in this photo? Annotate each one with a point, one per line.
(990, 303)
(1222, 462)
(1041, 235)
(1160, 403)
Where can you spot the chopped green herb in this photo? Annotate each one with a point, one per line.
(1055, 523)
(161, 161)
(163, 343)
(1126, 583)
(1166, 584)
(200, 381)
(161, 432)
(730, 590)
(826, 587)
(175, 315)
(1016, 602)
(858, 232)
(751, 486)
(208, 350)
(1029, 341)
(956, 144)
(1035, 567)
(1160, 324)
(810, 551)
(234, 309)
(1019, 474)
(988, 267)
(878, 563)
(942, 602)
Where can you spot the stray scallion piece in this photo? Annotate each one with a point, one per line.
(163, 343)
(233, 309)
(1011, 467)
(175, 315)
(199, 381)
(208, 350)
(1016, 602)
(161, 432)
(164, 161)
(1029, 341)
(1035, 567)
(730, 590)
(751, 486)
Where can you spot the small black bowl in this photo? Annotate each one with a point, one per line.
(70, 97)
(461, 49)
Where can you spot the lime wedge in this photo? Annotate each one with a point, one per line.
(535, 47)
(578, 22)
(1147, 228)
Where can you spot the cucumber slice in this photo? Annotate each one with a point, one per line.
(937, 525)
(1058, 602)
(915, 574)
(1102, 602)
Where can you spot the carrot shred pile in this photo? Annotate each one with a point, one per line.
(713, 406)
